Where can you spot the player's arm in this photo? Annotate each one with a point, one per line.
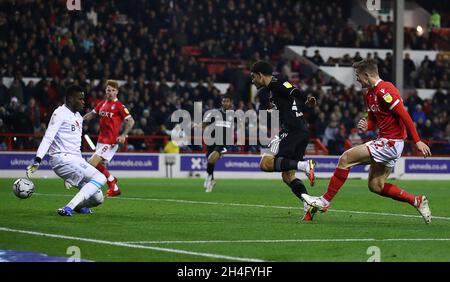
(395, 104)
(367, 123)
(404, 116)
(128, 126)
(206, 121)
(47, 140)
(289, 90)
(92, 114)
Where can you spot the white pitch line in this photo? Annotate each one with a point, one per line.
(291, 241)
(127, 245)
(250, 205)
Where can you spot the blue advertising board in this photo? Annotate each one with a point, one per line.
(251, 163)
(227, 163)
(329, 164)
(137, 162)
(439, 166)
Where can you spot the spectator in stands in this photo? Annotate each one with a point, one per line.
(329, 136)
(354, 137)
(418, 114)
(412, 101)
(305, 54)
(4, 96)
(357, 57)
(427, 130)
(435, 20)
(320, 124)
(3, 129)
(347, 120)
(317, 58)
(409, 68)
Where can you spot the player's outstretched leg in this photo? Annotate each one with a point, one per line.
(270, 163)
(420, 202)
(298, 188)
(379, 173)
(210, 182)
(350, 158)
(337, 180)
(86, 192)
(85, 206)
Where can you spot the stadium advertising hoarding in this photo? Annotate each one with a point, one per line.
(230, 166)
(227, 163)
(131, 162)
(435, 166)
(251, 164)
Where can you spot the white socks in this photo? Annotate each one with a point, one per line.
(301, 166)
(324, 201)
(85, 193)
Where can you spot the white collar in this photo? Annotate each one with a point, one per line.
(378, 81)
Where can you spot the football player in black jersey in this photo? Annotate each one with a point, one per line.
(215, 151)
(288, 148)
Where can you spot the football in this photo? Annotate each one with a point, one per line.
(23, 188)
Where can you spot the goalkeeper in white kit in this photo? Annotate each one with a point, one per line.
(62, 140)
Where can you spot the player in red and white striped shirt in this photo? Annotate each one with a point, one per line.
(112, 114)
(387, 113)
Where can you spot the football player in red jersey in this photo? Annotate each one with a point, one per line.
(387, 113)
(112, 114)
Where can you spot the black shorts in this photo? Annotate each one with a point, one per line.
(221, 149)
(291, 145)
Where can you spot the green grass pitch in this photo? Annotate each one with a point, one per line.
(241, 220)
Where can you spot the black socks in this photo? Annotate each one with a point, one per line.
(283, 164)
(210, 169)
(298, 188)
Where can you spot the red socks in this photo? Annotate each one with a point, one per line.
(103, 170)
(389, 190)
(336, 182)
(396, 193)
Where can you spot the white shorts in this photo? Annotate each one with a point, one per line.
(386, 151)
(106, 151)
(73, 169)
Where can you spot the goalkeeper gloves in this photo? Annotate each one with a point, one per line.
(33, 167)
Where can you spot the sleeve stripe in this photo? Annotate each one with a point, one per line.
(127, 117)
(395, 104)
(290, 93)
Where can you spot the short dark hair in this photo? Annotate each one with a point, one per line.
(262, 67)
(366, 65)
(227, 96)
(73, 89)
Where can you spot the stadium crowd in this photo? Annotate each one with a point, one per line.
(116, 39)
(142, 43)
(333, 120)
(430, 73)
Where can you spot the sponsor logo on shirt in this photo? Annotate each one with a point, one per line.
(106, 114)
(287, 85)
(374, 108)
(387, 97)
